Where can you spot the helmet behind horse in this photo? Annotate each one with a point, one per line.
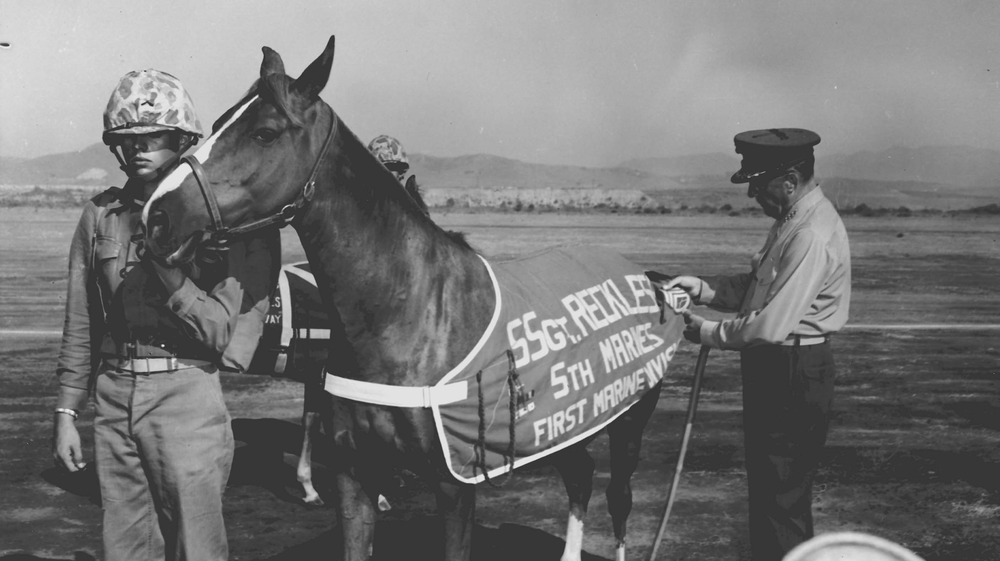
(390, 152)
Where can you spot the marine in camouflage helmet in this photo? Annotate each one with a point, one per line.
(148, 101)
(390, 152)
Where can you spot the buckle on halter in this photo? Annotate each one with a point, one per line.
(287, 212)
(218, 238)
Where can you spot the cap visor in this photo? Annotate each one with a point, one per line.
(740, 177)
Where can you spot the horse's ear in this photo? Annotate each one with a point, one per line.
(272, 63)
(313, 79)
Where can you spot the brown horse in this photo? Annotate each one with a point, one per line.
(407, 300)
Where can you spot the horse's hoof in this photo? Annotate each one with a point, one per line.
(383, 504)
(313, 501)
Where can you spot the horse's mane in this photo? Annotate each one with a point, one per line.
(387, 188)
(413, 190)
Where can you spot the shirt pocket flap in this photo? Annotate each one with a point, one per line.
(106, 248)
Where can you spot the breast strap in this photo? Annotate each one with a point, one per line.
(395, 396)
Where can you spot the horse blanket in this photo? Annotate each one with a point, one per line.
(579, 336)
(296, 329)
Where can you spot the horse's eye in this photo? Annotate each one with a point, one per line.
(264, 135)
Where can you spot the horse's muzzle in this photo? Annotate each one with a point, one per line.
(163, 245)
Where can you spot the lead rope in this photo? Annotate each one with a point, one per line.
(514, 391)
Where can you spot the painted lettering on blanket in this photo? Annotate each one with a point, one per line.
(586, 340)
(591, 313)
(588, 310)
(602, 400)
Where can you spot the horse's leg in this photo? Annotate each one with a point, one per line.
(310, 431)
(357, 518)
(456, 504)
(625, 438)
(577, 470)
(316, 407)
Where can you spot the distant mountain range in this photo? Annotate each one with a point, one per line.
(958, 166)
(931, 176)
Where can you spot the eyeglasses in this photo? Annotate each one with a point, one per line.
(758, 179)
(774, 171)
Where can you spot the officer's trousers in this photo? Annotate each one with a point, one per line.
(164, 448)
(787, 394)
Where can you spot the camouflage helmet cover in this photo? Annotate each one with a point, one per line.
(147, 101)
(390, 152)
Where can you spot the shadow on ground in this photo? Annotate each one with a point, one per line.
(260, 458)
(82, 483)
(262, 461)
(395, 540)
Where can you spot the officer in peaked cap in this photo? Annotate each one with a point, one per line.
(787, 307)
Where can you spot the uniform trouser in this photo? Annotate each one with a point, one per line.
(787, 393)
(164, 448)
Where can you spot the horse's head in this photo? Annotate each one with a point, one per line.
(256, 169)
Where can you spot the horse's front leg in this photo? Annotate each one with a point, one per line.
(577, 470)
(357, 518)
(456, 504)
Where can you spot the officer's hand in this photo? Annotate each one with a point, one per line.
(687, 283)
(66, 449)
(692, 327)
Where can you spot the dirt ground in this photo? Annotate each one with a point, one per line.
(912, 454)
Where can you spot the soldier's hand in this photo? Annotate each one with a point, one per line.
(66, 448)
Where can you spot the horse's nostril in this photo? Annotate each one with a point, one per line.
(158, 224)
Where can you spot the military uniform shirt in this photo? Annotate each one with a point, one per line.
(109, 291)
(799, 283)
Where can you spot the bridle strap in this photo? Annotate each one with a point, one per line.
(210, 200)
(220, 234)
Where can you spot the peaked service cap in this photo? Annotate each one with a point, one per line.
(772, 150)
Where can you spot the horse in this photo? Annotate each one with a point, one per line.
(406, 299)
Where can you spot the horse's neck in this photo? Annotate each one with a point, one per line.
(411, 300)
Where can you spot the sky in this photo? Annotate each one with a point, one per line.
(573, 82)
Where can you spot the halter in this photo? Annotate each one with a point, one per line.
(219, 233)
